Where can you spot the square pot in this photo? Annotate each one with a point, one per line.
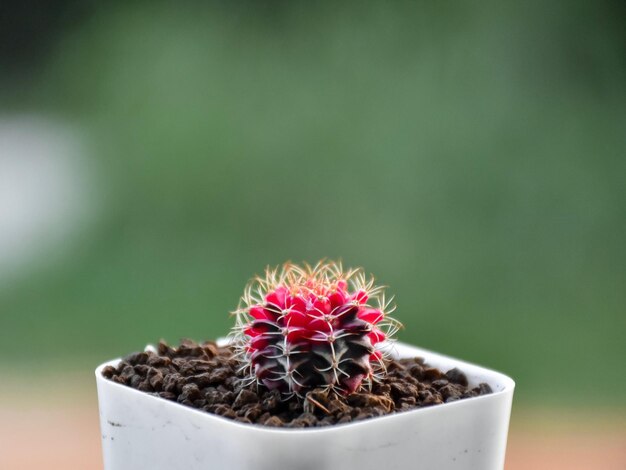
(140, 431)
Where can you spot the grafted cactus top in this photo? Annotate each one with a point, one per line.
(305, 327)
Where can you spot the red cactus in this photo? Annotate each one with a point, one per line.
(299, 328)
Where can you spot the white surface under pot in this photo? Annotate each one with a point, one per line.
(141, 431)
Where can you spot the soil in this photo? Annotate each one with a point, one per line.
(204, 376)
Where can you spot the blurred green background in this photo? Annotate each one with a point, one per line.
(470, 155)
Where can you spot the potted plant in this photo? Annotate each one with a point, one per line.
(310, 378)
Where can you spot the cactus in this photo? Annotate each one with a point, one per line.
(299, 328)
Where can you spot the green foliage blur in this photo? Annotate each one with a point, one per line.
(470, 155)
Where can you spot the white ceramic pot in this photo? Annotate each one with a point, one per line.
(140, 431)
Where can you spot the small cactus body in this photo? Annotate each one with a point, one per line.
(300, 328)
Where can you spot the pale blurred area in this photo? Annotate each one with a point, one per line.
(46, 192)
(154, 156)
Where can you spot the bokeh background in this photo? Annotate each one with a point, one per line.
(472, 155)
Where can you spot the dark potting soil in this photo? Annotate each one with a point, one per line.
(204, 376)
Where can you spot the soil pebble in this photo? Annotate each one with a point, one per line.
(205, 376)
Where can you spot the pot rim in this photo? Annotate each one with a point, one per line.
(506, 386)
